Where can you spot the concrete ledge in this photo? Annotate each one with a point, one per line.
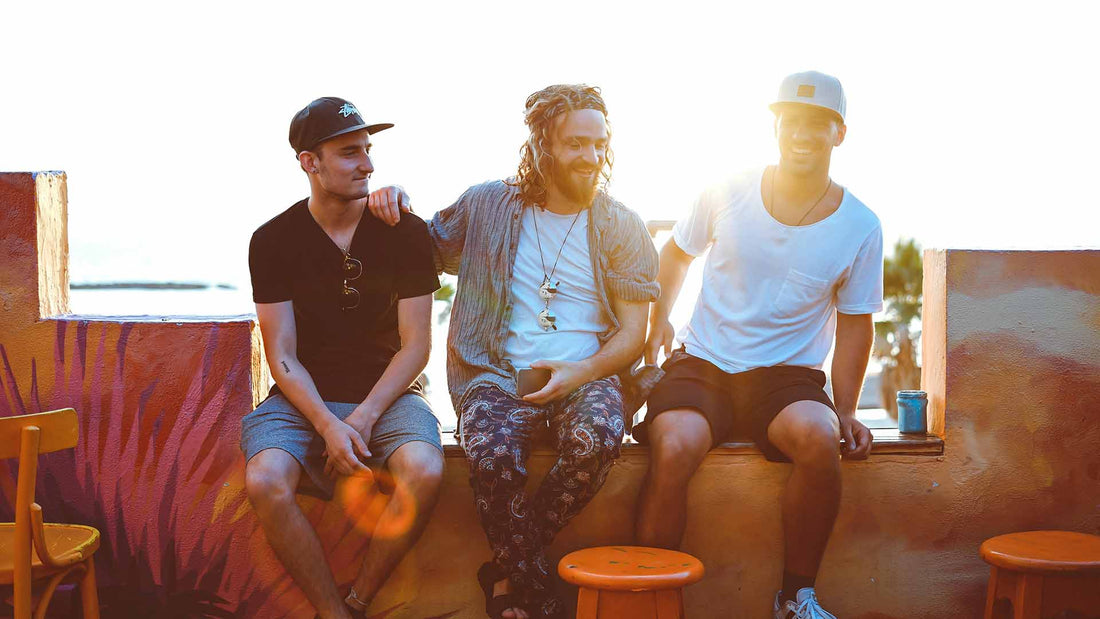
(249, 319)
(888, 441)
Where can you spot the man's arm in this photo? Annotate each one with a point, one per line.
(414, 325)
(388, 202)
(855, 334)
(342, 442)
(674, 267)
(617, 353)
(447, 228)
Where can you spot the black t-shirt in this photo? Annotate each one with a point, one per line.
(345, 351)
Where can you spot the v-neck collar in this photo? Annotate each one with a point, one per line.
(317, 226)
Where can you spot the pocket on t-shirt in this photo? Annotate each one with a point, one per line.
(800, 294)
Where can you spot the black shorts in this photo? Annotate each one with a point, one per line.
(735, 405)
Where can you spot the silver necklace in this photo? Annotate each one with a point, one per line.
(549, 288)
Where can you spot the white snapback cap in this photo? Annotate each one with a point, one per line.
(811, 88)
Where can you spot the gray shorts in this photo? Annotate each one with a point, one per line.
(276, 423)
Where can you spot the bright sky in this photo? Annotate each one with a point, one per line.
(970, 124)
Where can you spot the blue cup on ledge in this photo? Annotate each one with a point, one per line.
(912, 411)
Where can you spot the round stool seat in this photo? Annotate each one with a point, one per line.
(630, 568)
(1043, 551)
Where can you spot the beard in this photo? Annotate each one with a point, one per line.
(577, 189)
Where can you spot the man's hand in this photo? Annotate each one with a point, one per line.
(363, 421)
(661, 335)
(344, 447)
(565, 377)
(388, 202)
(857, 438)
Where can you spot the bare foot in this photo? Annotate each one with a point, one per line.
(502, 587)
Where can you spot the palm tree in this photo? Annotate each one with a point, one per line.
(895, 339)
(446, 293)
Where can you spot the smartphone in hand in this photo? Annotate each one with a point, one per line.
(530, 380)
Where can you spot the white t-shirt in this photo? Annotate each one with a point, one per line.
(579, 319)
(771, 291)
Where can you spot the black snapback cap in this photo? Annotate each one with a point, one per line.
(324, 119)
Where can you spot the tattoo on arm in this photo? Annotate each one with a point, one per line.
(285, 367)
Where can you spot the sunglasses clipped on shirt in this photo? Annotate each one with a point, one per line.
(349, 297)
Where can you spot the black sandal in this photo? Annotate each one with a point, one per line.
(487, 576)
(547, 605)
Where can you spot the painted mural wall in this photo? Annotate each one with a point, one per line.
(1012, 364)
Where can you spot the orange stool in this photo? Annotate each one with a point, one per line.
(630, 581)
(1043, 572)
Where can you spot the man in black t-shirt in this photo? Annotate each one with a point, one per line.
(344, 305)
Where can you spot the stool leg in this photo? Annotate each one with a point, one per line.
(588, 603)
(89, 597)
(991, 592)
(670, 604)
(1029, 597)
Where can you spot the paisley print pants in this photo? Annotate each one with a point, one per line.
(497, 430)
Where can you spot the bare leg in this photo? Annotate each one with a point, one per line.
(808, 433)
(417, 469)
(679, 440)
(271, 479)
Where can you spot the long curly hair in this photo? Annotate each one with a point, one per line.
(536, 163)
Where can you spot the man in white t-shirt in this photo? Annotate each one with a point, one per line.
(794, 258)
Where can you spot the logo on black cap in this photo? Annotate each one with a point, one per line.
(326, 118)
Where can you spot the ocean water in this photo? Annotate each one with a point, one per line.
(211, 301)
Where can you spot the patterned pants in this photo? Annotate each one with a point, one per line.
(497, 430)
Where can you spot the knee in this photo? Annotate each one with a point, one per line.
(675, 454)
(420, 467)
(498, 472)
(593, 443)
(267, 485)
(482, 445)
(815, 443)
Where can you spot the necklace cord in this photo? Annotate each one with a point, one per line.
(538, 239)
(771, 211)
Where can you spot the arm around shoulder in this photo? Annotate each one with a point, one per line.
(447, 229)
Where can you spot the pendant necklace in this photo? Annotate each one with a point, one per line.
(549, 288)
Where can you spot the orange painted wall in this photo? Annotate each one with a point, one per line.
(1012, 358)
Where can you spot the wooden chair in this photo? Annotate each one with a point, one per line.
(1043, 573)
(630, 581)
(31, 551)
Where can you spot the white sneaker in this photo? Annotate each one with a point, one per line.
(804, 606)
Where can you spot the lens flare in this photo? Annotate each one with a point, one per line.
(377, 505)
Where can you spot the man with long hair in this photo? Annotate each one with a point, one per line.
(554, 283)
(794, 258)
(344, 305)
